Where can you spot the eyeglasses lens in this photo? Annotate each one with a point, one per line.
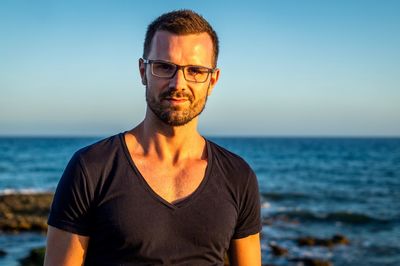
(163, 70)
(191, 73)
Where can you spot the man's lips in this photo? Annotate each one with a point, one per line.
(175, 100)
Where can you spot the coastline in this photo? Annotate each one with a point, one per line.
(28, 212)
(23, 212)
(308, 187)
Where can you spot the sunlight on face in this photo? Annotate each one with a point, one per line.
(176, 101)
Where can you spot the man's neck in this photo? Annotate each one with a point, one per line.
(154, 138)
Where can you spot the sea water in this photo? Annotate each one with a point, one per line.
(315, 187)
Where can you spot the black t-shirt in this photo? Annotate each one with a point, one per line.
(103, 195)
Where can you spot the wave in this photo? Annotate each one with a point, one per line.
(10, 191)
(275, 196)
(40, 169)
(343, 217)
(344, 197)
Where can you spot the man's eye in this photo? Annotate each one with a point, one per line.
(163, 67)
(196, 70)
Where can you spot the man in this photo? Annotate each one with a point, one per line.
(160, 194)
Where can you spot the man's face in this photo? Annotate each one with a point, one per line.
(176, 101)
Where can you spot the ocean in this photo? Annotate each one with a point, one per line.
(315, 187)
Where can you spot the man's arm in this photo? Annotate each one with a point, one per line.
(64, 248)
(245, 251)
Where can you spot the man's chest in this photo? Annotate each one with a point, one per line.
(142, 224)
(173, 183)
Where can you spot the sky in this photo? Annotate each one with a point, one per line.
(288, 68)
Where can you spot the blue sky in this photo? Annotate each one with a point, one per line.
(288, 68)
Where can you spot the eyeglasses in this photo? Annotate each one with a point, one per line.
(192, 73)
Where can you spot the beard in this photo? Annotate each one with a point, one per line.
(175, 115)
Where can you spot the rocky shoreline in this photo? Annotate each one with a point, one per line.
(28, 213)
(24, 212)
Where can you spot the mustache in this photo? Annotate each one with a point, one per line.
(173, 93)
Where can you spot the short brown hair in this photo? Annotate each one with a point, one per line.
(181, 22)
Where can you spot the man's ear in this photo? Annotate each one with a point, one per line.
(142, 70)
(213, 80)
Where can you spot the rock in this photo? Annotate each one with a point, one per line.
(35, 257)
(306, 241)
(340, 240)
(312, 241)
(311, 262)
(277, 250)
(24, 212)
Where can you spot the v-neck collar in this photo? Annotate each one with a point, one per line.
(184, 202)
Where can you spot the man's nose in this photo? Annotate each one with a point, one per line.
(178, 81)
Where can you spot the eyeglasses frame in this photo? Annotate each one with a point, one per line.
(178, 67)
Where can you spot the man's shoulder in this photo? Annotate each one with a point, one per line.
(222, 151)
(100, 150)
(228, 159)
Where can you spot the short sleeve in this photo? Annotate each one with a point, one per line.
(249, 219)
(70, 210)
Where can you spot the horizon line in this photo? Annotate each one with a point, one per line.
(380, 136)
